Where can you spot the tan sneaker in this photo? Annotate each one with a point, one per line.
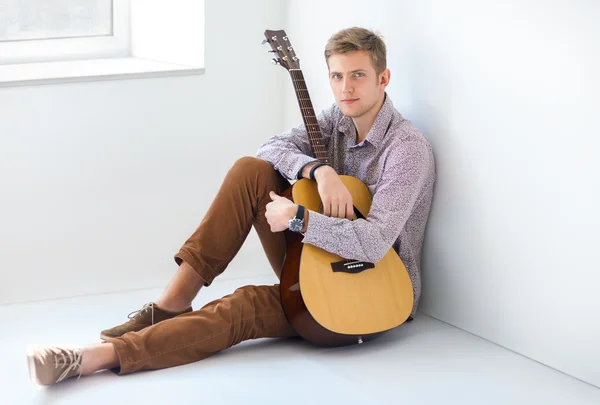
(148, 315)
(52, 364)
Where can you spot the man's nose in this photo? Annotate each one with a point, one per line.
(347, 86)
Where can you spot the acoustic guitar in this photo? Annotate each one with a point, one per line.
(329, 300)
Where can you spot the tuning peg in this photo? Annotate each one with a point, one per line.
(264, 41)
(275, 61)
(271, 51)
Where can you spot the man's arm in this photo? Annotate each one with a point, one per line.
(369, 239)
(305, 174)
(306, 170)
(291, 151)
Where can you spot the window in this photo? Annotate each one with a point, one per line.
(29, 19)
(42, 31)
(52, 41)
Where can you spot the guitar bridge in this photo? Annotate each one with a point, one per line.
(351, 267)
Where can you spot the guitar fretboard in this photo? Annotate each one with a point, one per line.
(308, 115)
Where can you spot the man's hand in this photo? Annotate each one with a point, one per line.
(337, 200)
(279, 212)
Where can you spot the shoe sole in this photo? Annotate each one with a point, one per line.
(32, 365)
(106, 337)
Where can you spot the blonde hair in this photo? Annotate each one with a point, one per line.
(358, 39)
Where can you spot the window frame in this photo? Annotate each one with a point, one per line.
(176, 50)
(77, 48)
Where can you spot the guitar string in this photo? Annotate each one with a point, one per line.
(306, 104)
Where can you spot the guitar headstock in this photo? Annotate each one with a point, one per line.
(281, 45)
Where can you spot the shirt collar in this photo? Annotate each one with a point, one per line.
(379, 128)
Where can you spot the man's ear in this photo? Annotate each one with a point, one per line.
(384, 79)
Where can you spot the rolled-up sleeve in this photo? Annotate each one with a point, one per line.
(406, 173)
(290, 151)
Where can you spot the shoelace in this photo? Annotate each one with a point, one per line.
(72, 360)
(146, 306)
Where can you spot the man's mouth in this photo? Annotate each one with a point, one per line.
(349, 100)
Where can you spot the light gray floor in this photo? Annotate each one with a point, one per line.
(424, 362)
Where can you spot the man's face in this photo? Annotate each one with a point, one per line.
(355, 85)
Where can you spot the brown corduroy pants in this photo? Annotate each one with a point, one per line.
(248, 313)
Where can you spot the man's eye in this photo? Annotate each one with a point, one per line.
(359, 74)
(337, 76)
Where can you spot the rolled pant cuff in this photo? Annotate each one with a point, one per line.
(206, 274)
(126, 364)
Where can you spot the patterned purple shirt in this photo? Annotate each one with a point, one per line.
(396, 163)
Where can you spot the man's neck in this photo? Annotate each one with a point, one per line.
(364, 123)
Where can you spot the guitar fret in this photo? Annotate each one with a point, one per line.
(308, 114)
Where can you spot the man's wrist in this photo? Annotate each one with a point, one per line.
(293, 211)
(293, 215)
(305, 227)
(307, 168)
(321, 171)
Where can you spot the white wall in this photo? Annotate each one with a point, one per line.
(100, 183)
(508, 93)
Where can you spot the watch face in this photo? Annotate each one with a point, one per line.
(296, 225)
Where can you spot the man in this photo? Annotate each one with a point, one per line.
(366, 138)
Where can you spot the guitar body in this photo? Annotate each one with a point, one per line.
(327, 299)
(332, 301)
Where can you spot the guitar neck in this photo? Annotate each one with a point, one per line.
(315, 135)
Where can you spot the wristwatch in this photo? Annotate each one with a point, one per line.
(297, 223)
